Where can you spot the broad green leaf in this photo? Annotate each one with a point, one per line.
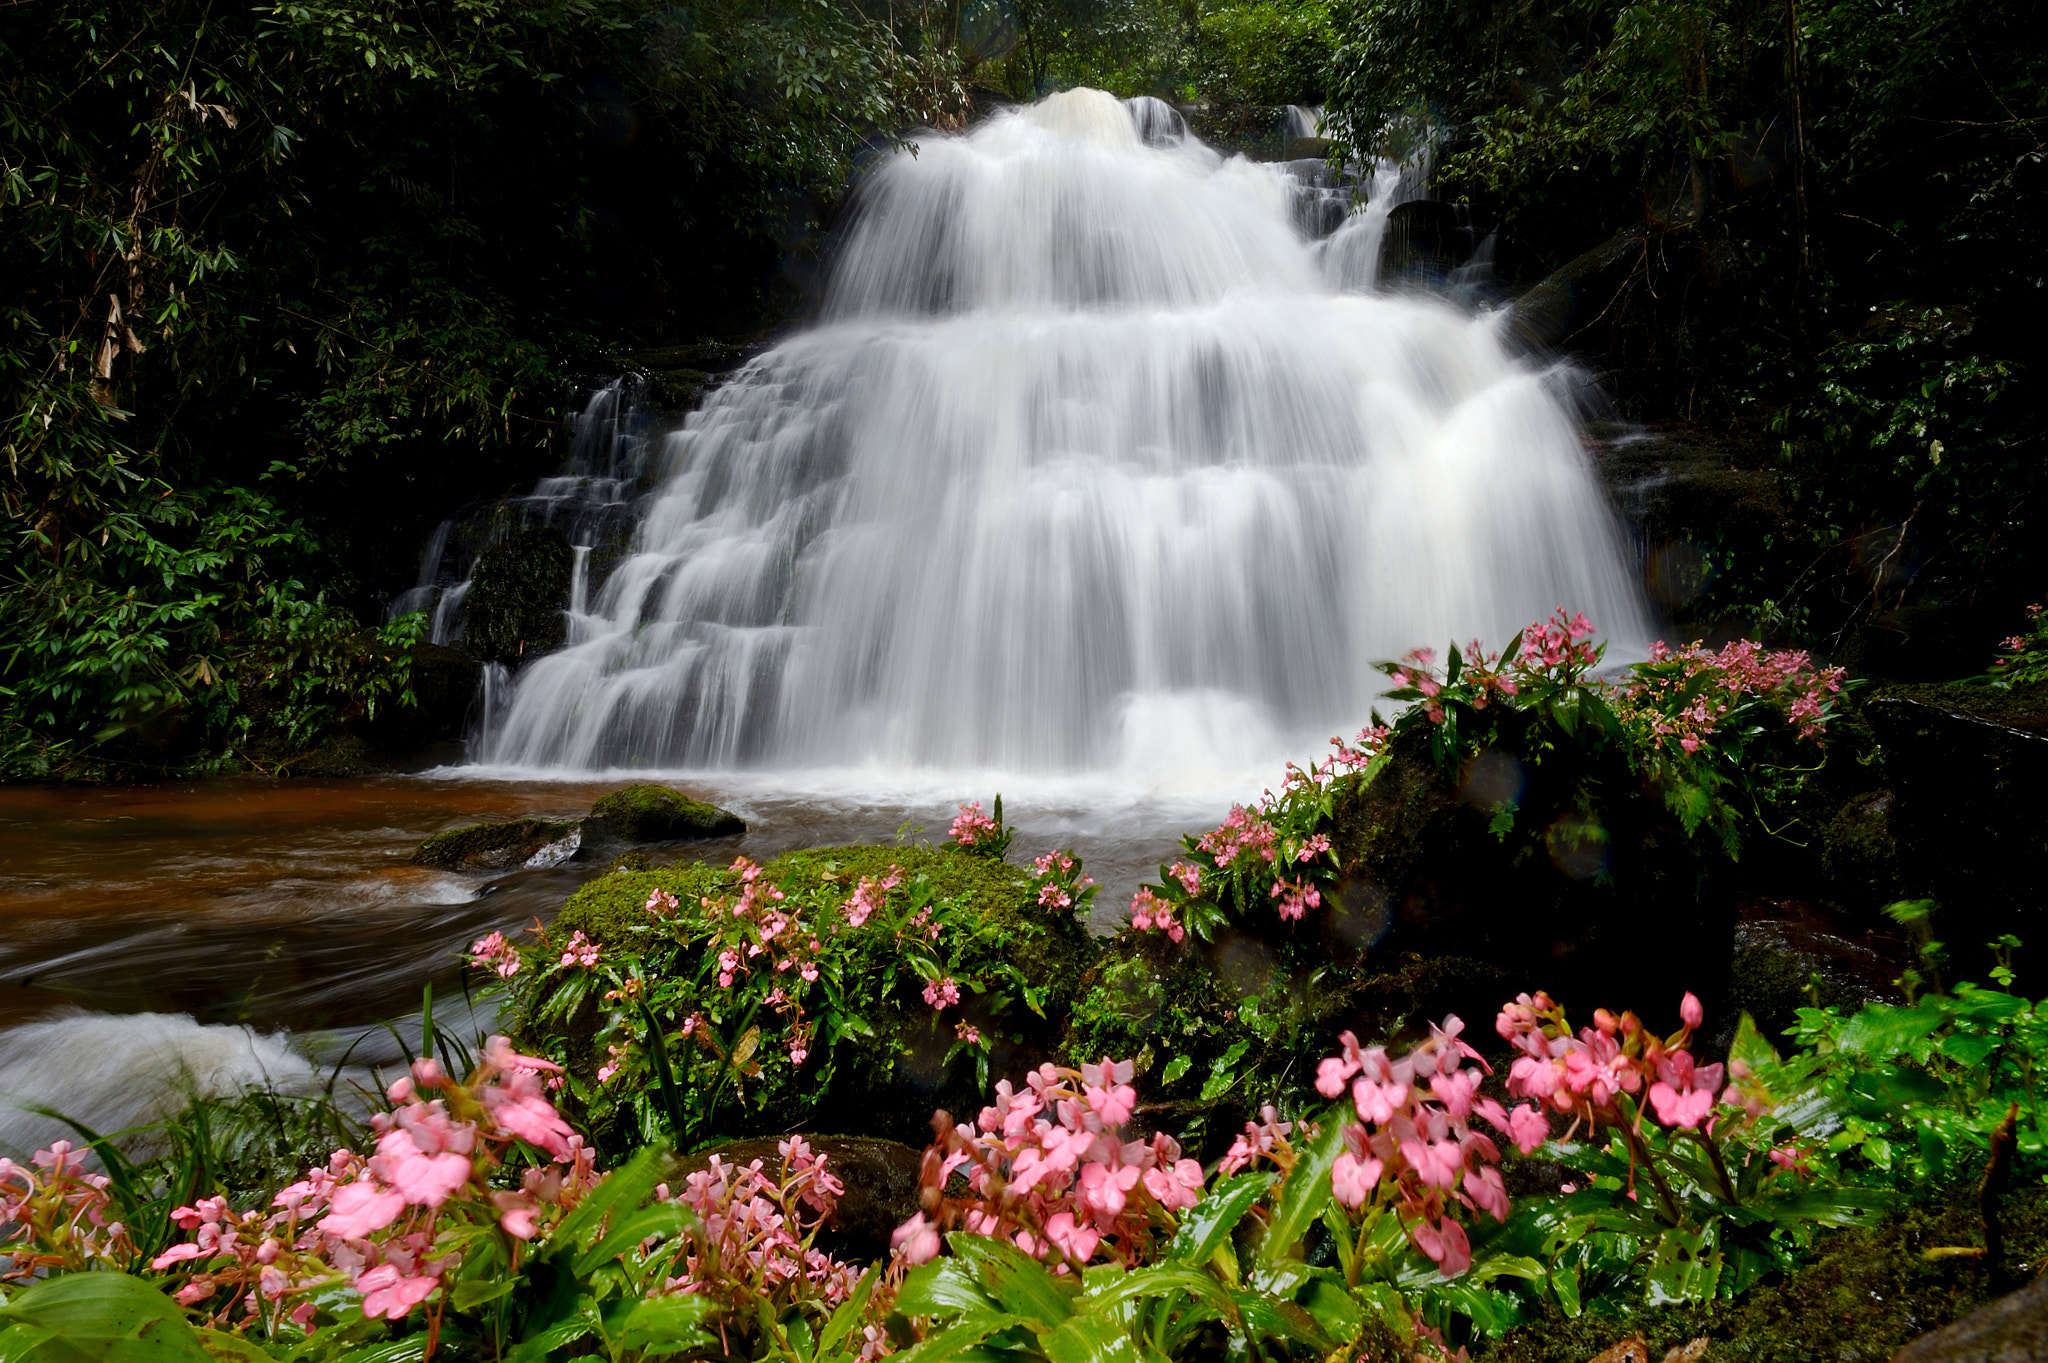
(1090, 1339)
(960, 1339)
(536, 1348)
(1175, 1068)
(667, 1324)
(1271, 1318)
(471, 1293)
(1307, 1190)
(1149, 1284)
(1209, 1222)
(1967, 1049)
(943, 1287)
(1564, 1281)
(1881, 1031)
(88, 1317)
(1750, 1047)
(1334, 1308)
(842, 1321)
(1019, 1283)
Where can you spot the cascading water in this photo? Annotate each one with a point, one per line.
(1092, 462)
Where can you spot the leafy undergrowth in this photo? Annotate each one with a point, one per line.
(1866, 1293)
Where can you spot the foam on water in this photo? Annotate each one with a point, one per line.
(1094, 465)
(112, 1073)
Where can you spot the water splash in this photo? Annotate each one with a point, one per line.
(1091, 463)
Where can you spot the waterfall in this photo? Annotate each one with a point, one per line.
(1093, 460)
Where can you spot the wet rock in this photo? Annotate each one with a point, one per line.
(495, 846)
(2012, 1329)
(1790, 955)
(1567, 895)
(650, 813)
(517, 596)
(880, 1179)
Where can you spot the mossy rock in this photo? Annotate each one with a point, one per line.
(491, 846)
(884, 1081)
(518, 594)
(649, 813)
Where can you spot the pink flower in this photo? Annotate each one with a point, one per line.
(1189, 876)
(580, 950)
(1376, 1102)
(1104, 1190)
(1436, 1163)
(390, 1294)
(1528, 1128)
(1686, 1108)
(1176, 1187)
(942, 994)
(661, 903)
(1077, 1242)
(359, 1208)
(1446, 1244)
(917, 1240)
(1352, 1179)
(495, 953)
(1484, 1189)
(1689, 1010)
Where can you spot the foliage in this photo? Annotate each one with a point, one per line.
(2024, 657)
(284, 281)
(1767, 219)
(700, 1001)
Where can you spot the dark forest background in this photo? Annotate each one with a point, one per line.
(282, 286)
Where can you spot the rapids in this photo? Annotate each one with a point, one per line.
(1094, 461)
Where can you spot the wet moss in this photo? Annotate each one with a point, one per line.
(1864, 1294)
(650, 813)
(490, 844)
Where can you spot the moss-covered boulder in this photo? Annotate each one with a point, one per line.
(650, 813)
(518, 594)
(495, 846)
(861, 1049)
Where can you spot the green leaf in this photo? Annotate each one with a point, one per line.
(83, 1317)
(1749, 1047)
(943, 1287)
(1175, 1068)
(1221, 1075)
(1019, 1284)
(1881, 1031)
(535, 1348)
(666, 1324)
(1307, 1190)
(1208, 1223)
(959, 1338)
(1090, 1339)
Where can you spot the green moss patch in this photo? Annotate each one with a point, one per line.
(490, 845)
(649, 813)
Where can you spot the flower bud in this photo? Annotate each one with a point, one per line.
(1689, 1010)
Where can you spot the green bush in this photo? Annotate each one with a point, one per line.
(655, 1044)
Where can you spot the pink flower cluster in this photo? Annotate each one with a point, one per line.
(495, 953)
(1584, 1075)
(1242, 834)
(373, 1222)
(752, 1241)
(870, 895)
(1557, 642)
(942, 993)
(972, 828)
(1061, 886)
(1149, 911)
(1684, 704)
(1413, 1147)
(1294, 898)
(57, 1216)
(1049, 1170)
(580, 951)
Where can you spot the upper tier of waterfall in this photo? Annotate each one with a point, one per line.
(1095, 460)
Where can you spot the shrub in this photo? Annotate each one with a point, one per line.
(848, 985)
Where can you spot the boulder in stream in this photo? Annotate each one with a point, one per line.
(651, 813)
(496, 846)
